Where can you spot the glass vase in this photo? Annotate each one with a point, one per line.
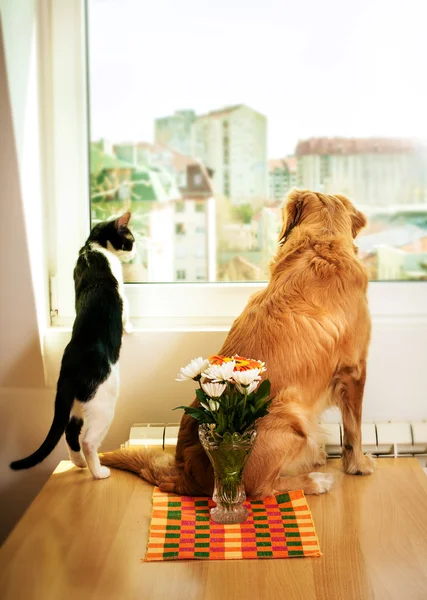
(228, 454)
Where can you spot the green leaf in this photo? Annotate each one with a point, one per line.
(264, 390)
(201, 396)
(199, 414)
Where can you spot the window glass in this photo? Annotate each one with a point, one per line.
(331, 97)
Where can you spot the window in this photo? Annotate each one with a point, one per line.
(180, 251)
(200, 251)
(180, 229)
(397, 214)
(181, 275)
(200, 207)
(180, 207)
(146, 182)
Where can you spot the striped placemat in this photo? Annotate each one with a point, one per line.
(277, 527)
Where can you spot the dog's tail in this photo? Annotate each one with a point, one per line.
(156, 467)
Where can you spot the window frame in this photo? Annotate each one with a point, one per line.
(64, 89)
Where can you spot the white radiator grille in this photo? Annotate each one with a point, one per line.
(380, 439)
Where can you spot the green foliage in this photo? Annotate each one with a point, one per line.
(243, 213)
(236, 412)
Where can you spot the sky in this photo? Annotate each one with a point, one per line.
(354, 68)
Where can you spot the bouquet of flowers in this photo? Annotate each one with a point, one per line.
(230, 394)
(231, 398)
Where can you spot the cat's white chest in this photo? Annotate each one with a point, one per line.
(115, 267)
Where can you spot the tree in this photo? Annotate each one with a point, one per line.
(243, 213)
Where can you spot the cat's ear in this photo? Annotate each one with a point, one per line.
(122, 221)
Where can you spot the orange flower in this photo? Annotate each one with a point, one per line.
(218, 359)
(245, 364)
(242, 364)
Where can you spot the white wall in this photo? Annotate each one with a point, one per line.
(396, 388)
(23, 278)
(21, 55)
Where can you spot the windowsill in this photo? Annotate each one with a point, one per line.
(141, 325)
(214, 306)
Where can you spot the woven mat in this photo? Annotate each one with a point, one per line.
(277, 527)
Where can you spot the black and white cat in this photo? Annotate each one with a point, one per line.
(88, 383)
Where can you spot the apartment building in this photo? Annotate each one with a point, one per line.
(195, 228)
(233, 143)
(174, 131)
(374, 172)
(282, 177)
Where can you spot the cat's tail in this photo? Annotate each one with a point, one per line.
(156, 467)
(63, 405)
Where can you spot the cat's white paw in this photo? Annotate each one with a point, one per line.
(128, 327)
(103, 473)
(324, 481)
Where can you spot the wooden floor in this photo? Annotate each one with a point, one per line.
(83, 539)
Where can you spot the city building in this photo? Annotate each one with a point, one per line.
(269, 221)
(175, 131)
(176, 226)
(373, 171)
(195, 228)
(395, 253)
(233, 143)
(282, 177)
(117, 175)
(121, 180)
(156, 155)
(238, 268)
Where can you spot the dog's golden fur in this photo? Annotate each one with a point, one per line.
(311, 326)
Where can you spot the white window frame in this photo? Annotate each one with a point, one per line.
(168, 305)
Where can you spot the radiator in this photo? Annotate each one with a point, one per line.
(380, 439)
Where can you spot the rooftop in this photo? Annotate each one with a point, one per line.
(179, 161)
(346, 146)
(289, 162)
(199, 184)
(221, 112)
(395, 237)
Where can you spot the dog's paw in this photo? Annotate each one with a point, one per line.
(323, 482)
(320, 459)
(364, 467)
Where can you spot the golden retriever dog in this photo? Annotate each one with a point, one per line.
(311, 326)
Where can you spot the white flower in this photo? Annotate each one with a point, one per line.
(193, 370)
(247, 389)
(211, 405)
(246, 377)
(220, 373)
(214, 390)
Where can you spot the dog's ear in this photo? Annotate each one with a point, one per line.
(358, 222)
(291, 214)
(358, 219)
